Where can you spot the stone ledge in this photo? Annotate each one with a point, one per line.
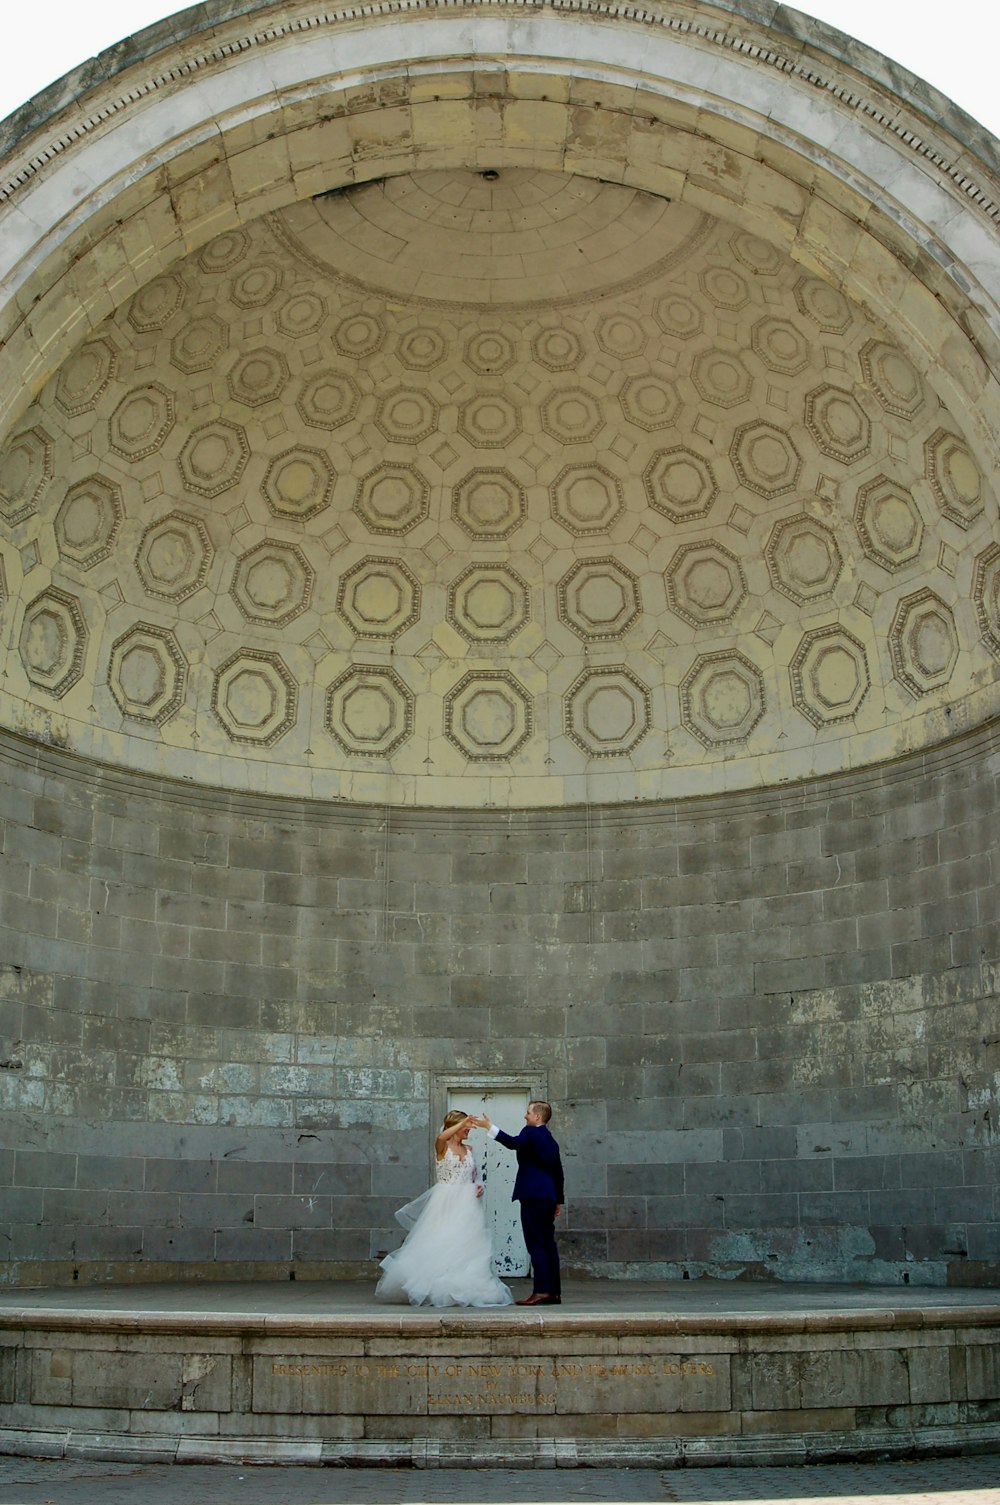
(742, 1372)
(420, 1324)
(428, 1453)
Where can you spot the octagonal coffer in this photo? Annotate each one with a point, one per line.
(765, 458)
(488, 603)
(84, 378)
(379, 598)
(255, 286)
(53, 641)
(705, 583)
(892, 378)
(273, 583)
(299, 483)
(88, 521)
(830, 675)
(26, 471)
(721, 378)
(198, 346)
(758, 255)
(889, 523)
(422, 348)
(406, 415)
(559, 348)
(824, 305)
(154, 305)
(488, 715)
(803, 558)
(370, 710)
(986, 594)
(780, 345)
(607, 711)
(255, 697)
(490, 352)
(174, 556)
(621, 335)
(302, 313)
(258, 377)
(147, 673)
(393, 498)
(214, 457)
(329, 399)
(488, 504)
(680, 484)
(224, 252)
(722, 698)
(359, 334)
(650, 401)
(489, 420)
(141, 421)
(724, 287)
(838, 424)
(955, 478)
(598, 599)
(586, 499)
(678, 315)
(572, 415)
(923, 642)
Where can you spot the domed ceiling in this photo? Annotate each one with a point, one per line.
(469, 488)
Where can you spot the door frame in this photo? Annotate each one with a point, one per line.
(443, 1082)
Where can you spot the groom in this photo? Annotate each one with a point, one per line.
(538, 1186)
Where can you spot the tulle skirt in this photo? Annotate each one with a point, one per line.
(445, 1258)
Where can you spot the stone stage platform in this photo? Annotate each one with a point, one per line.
(646, 1373)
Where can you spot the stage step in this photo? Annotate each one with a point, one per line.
(653, 1375)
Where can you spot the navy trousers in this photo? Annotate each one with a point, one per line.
(538, 1224)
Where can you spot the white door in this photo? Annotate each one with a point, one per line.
(498, 1166)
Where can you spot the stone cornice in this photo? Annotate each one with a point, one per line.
(960, 758)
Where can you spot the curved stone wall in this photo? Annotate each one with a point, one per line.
(767, 1022)
(499, 572)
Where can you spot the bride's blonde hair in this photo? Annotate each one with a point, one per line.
(454, 1117)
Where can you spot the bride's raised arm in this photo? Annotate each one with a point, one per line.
(454, 1131)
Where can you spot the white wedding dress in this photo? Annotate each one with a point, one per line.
(445, 1257)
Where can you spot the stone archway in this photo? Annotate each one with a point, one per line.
(525, 477)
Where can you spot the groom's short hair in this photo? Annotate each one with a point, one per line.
(544, 1111)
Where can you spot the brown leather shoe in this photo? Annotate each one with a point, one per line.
(537, 1298)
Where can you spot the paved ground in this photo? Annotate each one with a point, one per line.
(957, 1481)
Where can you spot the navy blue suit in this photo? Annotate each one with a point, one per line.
(538, 1186)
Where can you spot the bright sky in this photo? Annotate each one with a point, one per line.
(953, 46)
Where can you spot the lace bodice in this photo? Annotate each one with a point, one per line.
(456, 1170)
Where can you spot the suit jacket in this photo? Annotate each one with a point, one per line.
(539, 1167)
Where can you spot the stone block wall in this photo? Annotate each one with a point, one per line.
(763, 1387)
(767, 1021)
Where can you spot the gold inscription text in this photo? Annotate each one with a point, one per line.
(489, 1373)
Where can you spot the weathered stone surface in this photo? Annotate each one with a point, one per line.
(247, 1076)
(668, 471)
(630, 506)
(911, 1375)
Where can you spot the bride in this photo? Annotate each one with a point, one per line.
(445, 1257)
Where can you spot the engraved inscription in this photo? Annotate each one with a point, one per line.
(495, 1384)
